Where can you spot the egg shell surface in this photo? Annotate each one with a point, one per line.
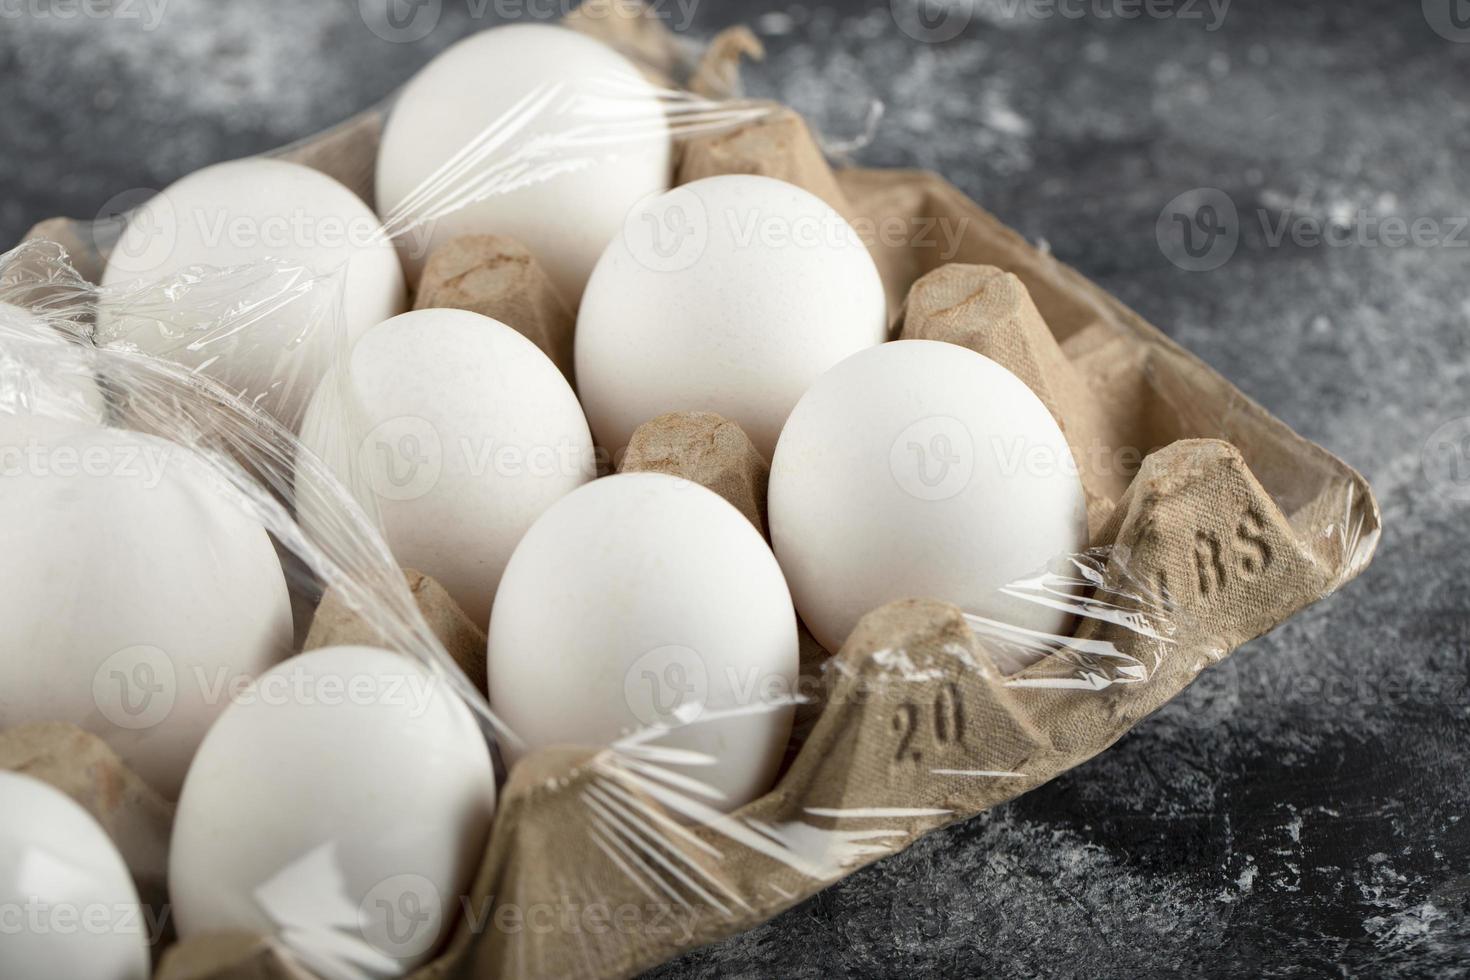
(73, 910)
(531, 131)
(134, 591)
(282, 333)
(458, 432)
(922, 469)
(729, 294)
(644, 601)
(348, 792)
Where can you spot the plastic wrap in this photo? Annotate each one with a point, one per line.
(53, 367)
(607, 859)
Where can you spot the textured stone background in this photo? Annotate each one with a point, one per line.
(1300, 810)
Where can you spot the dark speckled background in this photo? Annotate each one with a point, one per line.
(1300, 810)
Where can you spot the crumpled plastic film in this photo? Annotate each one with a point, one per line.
(56, 381)
(52, 365)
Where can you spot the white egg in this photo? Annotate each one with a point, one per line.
(642, 601)
(43, 372)
(459, 432)
(282, 334)
(530, 131)
(341, 804)
(133, 593)
(921, 469)
(67, 905)
(729, 294)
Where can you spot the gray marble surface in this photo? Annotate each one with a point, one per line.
(1301, 809)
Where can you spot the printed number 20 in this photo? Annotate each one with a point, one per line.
(946, 718)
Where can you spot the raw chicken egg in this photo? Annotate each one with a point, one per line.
(456, 432)
(921, 469)
(135, 594)
(531, 131)
(268, 336)
(644, 606)
(69, 905)
(341, 804)
(729, 294)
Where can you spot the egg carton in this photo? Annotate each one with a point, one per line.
(1210, 523)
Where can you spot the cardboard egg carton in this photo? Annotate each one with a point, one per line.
(1213, 522)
